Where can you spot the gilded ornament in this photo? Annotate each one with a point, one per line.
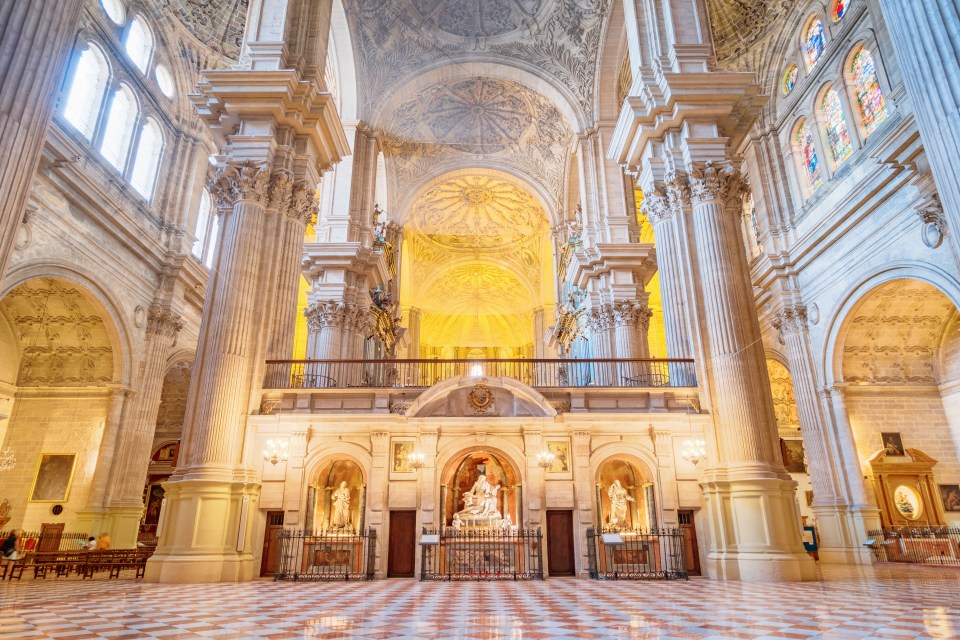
(480, 398)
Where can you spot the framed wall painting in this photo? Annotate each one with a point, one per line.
(793, 455)
(950, 494)
(562, 468)
(892, 443)
(400, 448)
(51, 482)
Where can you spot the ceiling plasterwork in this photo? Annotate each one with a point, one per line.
(738, 24)
(217, 23)
(464, 122)
(478, 18)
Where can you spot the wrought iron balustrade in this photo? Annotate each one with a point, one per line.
(481, 554)
(418, 374)
(916, 545)
(326, 555)
(658, 554)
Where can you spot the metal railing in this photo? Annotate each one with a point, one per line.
(51, 541)
(481, 554)
(658, 554)
(326, 555)
(916, 545)
(418, 374)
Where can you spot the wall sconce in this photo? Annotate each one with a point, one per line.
(416, 460)
(694, 451)
(275, 451)
(545, 459)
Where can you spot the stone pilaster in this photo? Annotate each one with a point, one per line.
(838, 497)
(583, 488)
(136, 434)
(37, 38)
(750, 497)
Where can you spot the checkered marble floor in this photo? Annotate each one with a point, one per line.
(895, 603)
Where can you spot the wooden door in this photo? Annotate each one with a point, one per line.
(271, 543)
(50, 535)
(402, 548)
(690, 542)
(560, 560)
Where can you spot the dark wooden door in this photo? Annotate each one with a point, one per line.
(560, 560)
(690, 542)
(271, 543)
(50, 536)
(402, 550)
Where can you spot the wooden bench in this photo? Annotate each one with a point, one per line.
(88, 563)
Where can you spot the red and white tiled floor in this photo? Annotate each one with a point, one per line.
(898, 604)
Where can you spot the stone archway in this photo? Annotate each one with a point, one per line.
(462, 471)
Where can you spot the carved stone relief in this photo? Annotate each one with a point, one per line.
(784, 401)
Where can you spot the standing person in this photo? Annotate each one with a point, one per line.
(103, 542)
(10, 550)
(91, 544)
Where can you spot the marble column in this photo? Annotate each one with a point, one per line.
(631, 329)
(926, 41)
(749, 495)
(600, 323)
(35, 39)
(838, 496)
(136, 435)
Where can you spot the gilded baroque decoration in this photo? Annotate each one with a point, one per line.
(237, 182)
(568, 327)
(481, 398)
(163, 322)
(784, 401)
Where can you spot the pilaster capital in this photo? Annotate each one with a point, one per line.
(712, 184)
(163, 322)
(281, 191)
(326, 314)
(631, 313)
(303, 204)
(791, 320)
(656, 205)
(581, 442)
(241, 181)
(379, 441)
(678, 191)
(600, 318)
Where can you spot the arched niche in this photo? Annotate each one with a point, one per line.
(337, 497)
(624, 495)
(461, 473)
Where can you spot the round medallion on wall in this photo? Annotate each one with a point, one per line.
(932, 235)
(813, 314)
(139, 316)
(56, 509)
(908, 502)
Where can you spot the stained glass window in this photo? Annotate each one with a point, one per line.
(839, 10)
(790, 78)
(808, 155)
(873, 108)
(814, 42)
(837, 134)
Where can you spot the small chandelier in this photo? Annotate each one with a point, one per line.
(545, 459)
(694, 451)
(416, 460)
(275, 451)
(8, 460)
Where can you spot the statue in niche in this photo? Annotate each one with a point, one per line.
(340, 501)
(618, 504)
(480, 501)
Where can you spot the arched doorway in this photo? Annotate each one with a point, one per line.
(460, 477)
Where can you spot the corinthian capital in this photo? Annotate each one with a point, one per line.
(239, 181)
(281, 191)
(163, 322)
(678, 191)
(303, 204)
(631, 313)
(600, 319)
(791, 320)
(710, 183)
(325, 314)
(656, 206)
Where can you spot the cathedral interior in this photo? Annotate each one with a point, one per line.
(571, 291)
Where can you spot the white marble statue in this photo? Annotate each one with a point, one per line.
(340, 500)
(481, 500)
(457, 522)
(618, 504)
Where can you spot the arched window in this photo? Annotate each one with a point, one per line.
(803, 138)
(147, 160)
(203, 221)
(114, 10)
(814, 42)
(873, 108)
(838, 10)
(836, 126)
(790, 78)
(85, 96)
(164, 80)
(118, 132)
(139, 44)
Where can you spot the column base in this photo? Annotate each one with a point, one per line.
(755, 530)
(843, 532)
(121, 523)
(206, 532)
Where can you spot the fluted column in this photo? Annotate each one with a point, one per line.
(838, 497)
(631, 328)
(926, 41)
(136, 435)
(750, 497)
(600, 323)
(35, 38)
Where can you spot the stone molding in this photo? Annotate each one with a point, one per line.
(791, 320)
(711, 184)
(163, 322)
(241, 181)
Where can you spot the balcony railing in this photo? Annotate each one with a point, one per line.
(419, 374)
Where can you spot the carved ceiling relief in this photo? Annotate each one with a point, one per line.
(738, 24)
(784, 402)
(62, 338)
(894, 335)
(217, 23)
(455, 124)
